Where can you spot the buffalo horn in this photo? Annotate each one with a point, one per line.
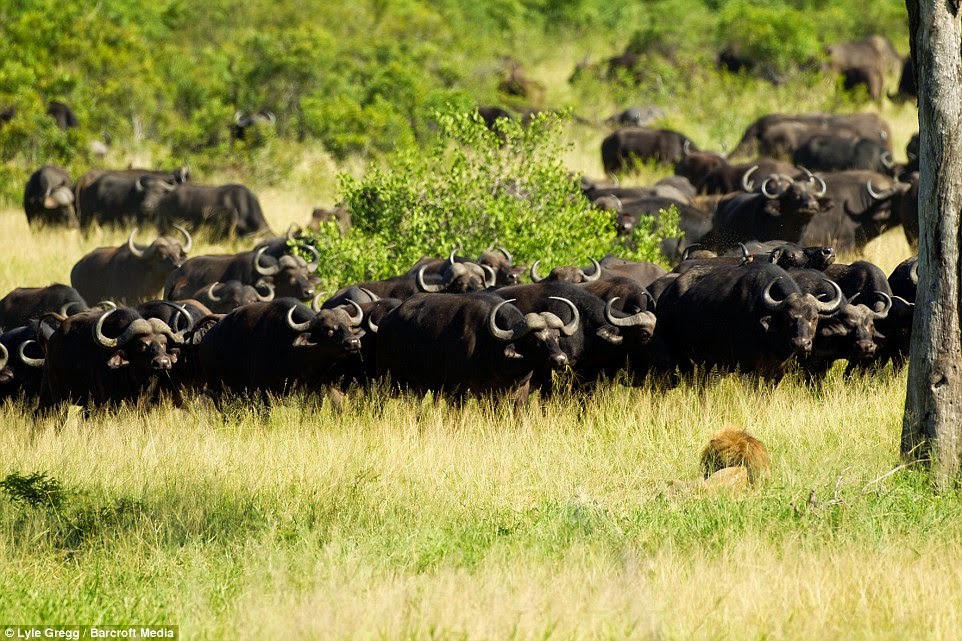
(497, 332)
(489, 275)
(595, 275)
(317, 257)
(887, 161)
(132, 246)
(836, 302)
(765, 191)
(424, 287)
(180, 313)
(26, 360)
(886, 306)
(374, 297)
(260, 269)
(746, 257)
(65, 310)
(914, 272)
(506, 254)
(686, 252)
(297, 327)
(269, 296)
(877, 195)
(210, 293)
(355, 320)
(316, 301)
(106, 304)
(641, 318)
(572, 325)
(822, 189)
(748, 185)
(770, 302)
(4, 355)
(534, 272)
(188, 241)
(293, 231)
(136, 327)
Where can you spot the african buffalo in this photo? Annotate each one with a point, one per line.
(22, 372)
(290, 275)
(117, 197)
(825, 152)
(780, 210)
(224, 210)
(100, 358)
(272, 347)
(222, 298)
(129, 273)
(460, 343)
(243, 122)
(779, 135)
(864, 62)
(625, 146)
(63, 115)
(24, 304)
(48, 198)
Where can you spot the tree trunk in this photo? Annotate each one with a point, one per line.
(932, 425)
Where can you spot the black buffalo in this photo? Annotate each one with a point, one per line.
(780, 210)
(129, 273)
(779, 135)
(290, 275)
(100, 358)
(24, 304)
(460, 343)
(62, 114)
(751, 317)
(625, 146)
(864, 62)
(833, 153)
(48, 198)
(117, 197)
(273, 347)
(222, 298)
(21, 361)
(223, 210)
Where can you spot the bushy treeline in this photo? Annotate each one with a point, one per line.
(357, 78)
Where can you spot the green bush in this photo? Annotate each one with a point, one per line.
(474, 189)
(780, 39)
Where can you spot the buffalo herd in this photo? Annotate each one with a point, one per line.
(754, 287)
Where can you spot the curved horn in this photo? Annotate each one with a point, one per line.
(424, 287)
(371, 325)
(106, 304)
(26, 360)
(297, 327)
(686, 148)
(775, 255)
(210, 292)
(886, 159)
(293, 231)
(238, 115)
(824, 188)
(260, 269)
(572, 325)
(4, 355)
(160, 327)
(768, 301)
(768, 195)
(914, 272)
(686, 252)
(497, 332)
(181, 313)
(317, 257)
(137, 326)
(746, 184)
(874, 194)
(355, 320)
(835, 303)
(534, 272)
(269, 296)
(188, 241)
(489, 276)
(316, 301)
(453, 252)
(65, 310)
(506, 254)
(595, 275)
(746, 257)
(886, 306)
(132, 246)
(641, 318)
(271, 117)
(374, 297)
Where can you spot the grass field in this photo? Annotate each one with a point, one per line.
(401, 517)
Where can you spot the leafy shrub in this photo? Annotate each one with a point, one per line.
(474, 188)
(779, 39)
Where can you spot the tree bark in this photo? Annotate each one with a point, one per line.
(932, 425)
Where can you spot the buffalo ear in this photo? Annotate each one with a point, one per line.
(772, 208)
(610, 334)
(303, 340)
(511, 352)
(765, 322)
(117, 360)
(174, 354)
